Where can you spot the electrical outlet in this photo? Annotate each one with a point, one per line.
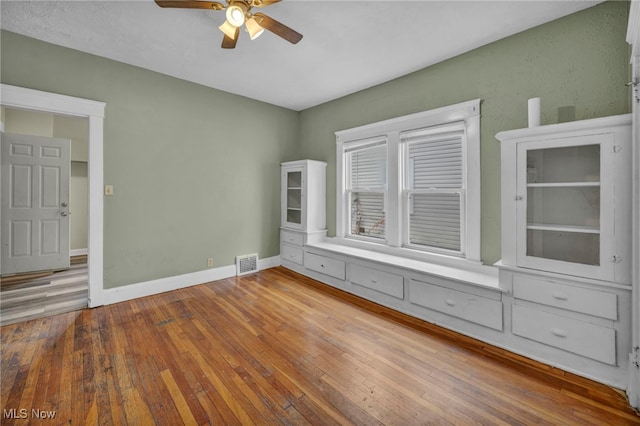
(210, 262)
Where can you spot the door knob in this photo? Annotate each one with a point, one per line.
(64, 204)
(64, 214)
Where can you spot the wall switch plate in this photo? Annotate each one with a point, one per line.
(108, 190)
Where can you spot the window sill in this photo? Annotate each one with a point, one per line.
(462, 270)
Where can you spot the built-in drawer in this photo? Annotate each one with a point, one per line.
(467, 306)
(292, 254)
(289, 237)
(381, 281)
(582, 338)
(577, 299)
(325, 265)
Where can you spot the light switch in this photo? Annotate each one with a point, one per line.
(108, 190)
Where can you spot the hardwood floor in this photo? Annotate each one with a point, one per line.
(278, 348)
(37, 295)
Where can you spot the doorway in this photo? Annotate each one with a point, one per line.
(44, 214)
(93, 111)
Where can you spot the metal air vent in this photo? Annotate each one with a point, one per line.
(246, 264)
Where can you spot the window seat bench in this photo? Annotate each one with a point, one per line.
(468, 300)
(480, 275)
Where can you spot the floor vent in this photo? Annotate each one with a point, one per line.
(246, 264)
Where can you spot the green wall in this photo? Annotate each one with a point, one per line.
(195, 170)
(579, 61)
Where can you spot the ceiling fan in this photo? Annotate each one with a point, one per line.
(238, 12)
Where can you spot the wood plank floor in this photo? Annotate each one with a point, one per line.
(278, 348)
(32, 296)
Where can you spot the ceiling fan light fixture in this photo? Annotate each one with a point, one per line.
(228, 29)
(238, 13)
(235, 14)
(253, 28)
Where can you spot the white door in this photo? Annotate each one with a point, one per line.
(35, 203)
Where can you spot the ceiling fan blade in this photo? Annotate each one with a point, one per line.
(191, 4)
(263, 3)
(278, 28)
(230, 43)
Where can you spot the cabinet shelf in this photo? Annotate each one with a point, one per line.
(564, 228)
(303, 195)
(564, 185)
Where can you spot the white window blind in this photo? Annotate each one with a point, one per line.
(435, 186)
(366, 162)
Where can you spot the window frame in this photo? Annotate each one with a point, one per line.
(396, 221)
(436, 134)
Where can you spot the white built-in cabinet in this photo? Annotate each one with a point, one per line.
(560, 294)
(566, 198)
(566, 243)
(303, 217)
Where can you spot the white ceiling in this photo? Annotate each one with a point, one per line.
(347, 45)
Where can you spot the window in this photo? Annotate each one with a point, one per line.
(412, 184)
(434, 187)
(367, 187)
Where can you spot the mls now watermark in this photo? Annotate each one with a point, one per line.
(23, 413)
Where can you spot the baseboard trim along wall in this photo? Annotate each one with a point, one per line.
(149, 288)
(78, 252)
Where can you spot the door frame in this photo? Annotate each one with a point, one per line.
(36, 100)
(633, 38)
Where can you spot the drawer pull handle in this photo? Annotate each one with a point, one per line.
(374, 281)
(322, 265)
(558, 332)
(450, 302)
(560, 296)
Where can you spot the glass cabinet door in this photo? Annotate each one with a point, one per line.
(563, 204)
(560, 210)
(293, 197)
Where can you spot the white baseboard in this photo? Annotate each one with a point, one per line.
(149, 288)
(270, 262)
(78, 252)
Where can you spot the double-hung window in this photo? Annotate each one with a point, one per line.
(411, 185)
(366, 187)
(434, 187)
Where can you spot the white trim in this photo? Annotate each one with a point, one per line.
(633, 27)
(567, 129)
(446, 114)
(78, 252)
(162, 285)
(29, 99)
(633, 38)
(429, 257)
(23, 98)
(270, 262)
(341, 180)
(473, 223)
